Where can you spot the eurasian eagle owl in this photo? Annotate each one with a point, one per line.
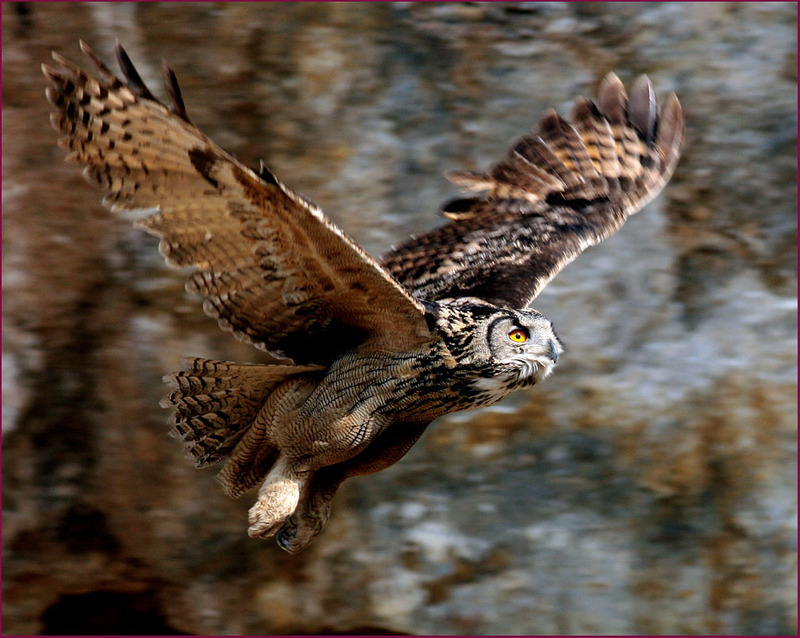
(367, 353)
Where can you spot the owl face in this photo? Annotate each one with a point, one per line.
(498, 348)
(523, 346)
(507, 350)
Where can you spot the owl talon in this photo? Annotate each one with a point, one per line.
(287, 534)
(294, 537)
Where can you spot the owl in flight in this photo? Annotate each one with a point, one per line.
(366, 353)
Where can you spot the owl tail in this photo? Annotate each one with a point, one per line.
(227, 409)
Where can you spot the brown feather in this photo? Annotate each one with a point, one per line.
(569, 186)
(274, 270)
(216, 402)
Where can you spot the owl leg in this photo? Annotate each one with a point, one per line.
(314, 508)
(313, 511)
(277, 498)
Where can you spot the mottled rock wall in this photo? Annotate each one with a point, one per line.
(649, 486)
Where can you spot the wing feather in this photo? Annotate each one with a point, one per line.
(272, 268)
(569, 185)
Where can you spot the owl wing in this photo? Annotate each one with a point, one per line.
(566, 187)
(272, 268)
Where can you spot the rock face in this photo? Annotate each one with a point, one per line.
(648, 486)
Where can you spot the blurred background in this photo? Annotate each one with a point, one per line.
(647, 487)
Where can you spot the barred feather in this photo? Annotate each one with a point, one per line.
(566, 187)
(216, 402)
(304, 291)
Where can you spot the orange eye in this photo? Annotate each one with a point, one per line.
(518, 335)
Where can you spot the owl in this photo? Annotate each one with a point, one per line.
(365, 353)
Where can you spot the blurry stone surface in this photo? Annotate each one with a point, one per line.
(649, 486)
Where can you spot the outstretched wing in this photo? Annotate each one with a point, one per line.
(271, 267)
(568, 186)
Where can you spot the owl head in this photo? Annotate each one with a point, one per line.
(523, 342)
(502, 349)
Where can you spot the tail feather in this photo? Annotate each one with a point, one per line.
(233, 404)
(217, 401)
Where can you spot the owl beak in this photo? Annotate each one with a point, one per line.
(553, 354)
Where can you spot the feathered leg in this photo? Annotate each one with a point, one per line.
(255, 453)
(313, 511)
(314, 507)
(307, 441)
(277, 498)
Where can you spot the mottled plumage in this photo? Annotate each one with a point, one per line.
(566, 187)
(367, 353)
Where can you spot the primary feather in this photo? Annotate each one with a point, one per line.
(271, 267)
(566, 187)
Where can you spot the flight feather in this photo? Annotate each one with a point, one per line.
(568, 185)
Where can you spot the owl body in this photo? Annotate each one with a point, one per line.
(472, 361)
(342, 420)
(367, 352)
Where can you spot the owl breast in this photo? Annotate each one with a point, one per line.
(362, 394)
(490, 390)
